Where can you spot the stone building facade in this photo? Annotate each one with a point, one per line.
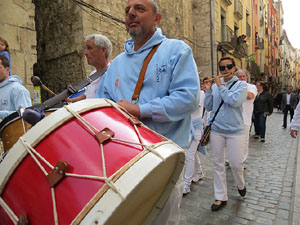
(17, 26)
(50, 34)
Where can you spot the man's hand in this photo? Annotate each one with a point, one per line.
(130, 107)
(294, 133)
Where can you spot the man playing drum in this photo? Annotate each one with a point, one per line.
(170, 90)
(13, 95)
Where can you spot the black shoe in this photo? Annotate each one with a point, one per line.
(256, 137)
(215, 207)
(242, 192)
(262, 140)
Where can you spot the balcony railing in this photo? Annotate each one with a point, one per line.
(266, 69)
(254, 69)
(277, 62)
(238, 9)
(248, 29)
(228, 38)
(256, 42)
(241, 49)
(227, 34)
(228, 2)
(261, 43)
(261, 21)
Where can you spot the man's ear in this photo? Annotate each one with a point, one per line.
(157, 18)
(104, 49)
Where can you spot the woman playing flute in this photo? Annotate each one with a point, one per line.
(227, 130)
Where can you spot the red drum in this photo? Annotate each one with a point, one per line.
(13, 127)
(88, 163)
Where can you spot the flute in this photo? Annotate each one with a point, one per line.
(223, 75)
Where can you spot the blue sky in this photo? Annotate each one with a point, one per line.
(291, 24)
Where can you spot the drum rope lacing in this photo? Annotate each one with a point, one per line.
(108, 180)
(94, 130)
(9, 211)
(150, 148)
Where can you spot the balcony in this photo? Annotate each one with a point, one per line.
(266, 69)
(238, 9)
(261, 43)
(254, 68)
(241, 49)
(261, 21)
(256, 42)
(248, 29)
(227, 2)
(228, 39)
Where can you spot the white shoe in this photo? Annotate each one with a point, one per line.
(197, 177)
(186, 190)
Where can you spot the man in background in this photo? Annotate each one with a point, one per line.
(243, 75)
(97, 51)
(13, 95)
(289, 102)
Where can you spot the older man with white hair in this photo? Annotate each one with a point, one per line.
(97, 51)
(243, 75)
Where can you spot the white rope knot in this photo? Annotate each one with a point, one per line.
(114, 188)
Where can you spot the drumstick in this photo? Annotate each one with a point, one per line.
(37, 81)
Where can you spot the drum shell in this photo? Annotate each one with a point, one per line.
(18, 162)
(12, 130)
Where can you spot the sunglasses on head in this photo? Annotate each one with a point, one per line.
(229, 66)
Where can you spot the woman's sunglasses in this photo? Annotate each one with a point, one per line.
(229, 66)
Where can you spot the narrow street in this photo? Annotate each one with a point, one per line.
(272, 189)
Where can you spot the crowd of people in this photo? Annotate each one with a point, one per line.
(172, 102)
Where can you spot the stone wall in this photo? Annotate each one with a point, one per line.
(52, 34)
(59, 43)
(62, 25)
(17, 26)
(201, 28)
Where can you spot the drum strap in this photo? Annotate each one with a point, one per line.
(72, 89)
(139, 84)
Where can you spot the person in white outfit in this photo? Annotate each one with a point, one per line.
(193, 168)
(206, 113)
(97, 51)
(227, 129)
(295, 123)
(243, 75)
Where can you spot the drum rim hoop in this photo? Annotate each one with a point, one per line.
(8, 120)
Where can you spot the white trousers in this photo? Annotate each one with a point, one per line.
(170, 214)
(234, 144)
(192, 160)
(246, 143)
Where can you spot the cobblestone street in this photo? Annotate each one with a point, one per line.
(272, 188)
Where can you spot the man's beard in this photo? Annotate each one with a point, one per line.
(134, 33)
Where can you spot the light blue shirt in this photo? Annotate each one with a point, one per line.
(13, 96)
(229, 119)
(170, 91)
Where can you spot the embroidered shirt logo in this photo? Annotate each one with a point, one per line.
(160, 71)
(117, 82)
(3, 103)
